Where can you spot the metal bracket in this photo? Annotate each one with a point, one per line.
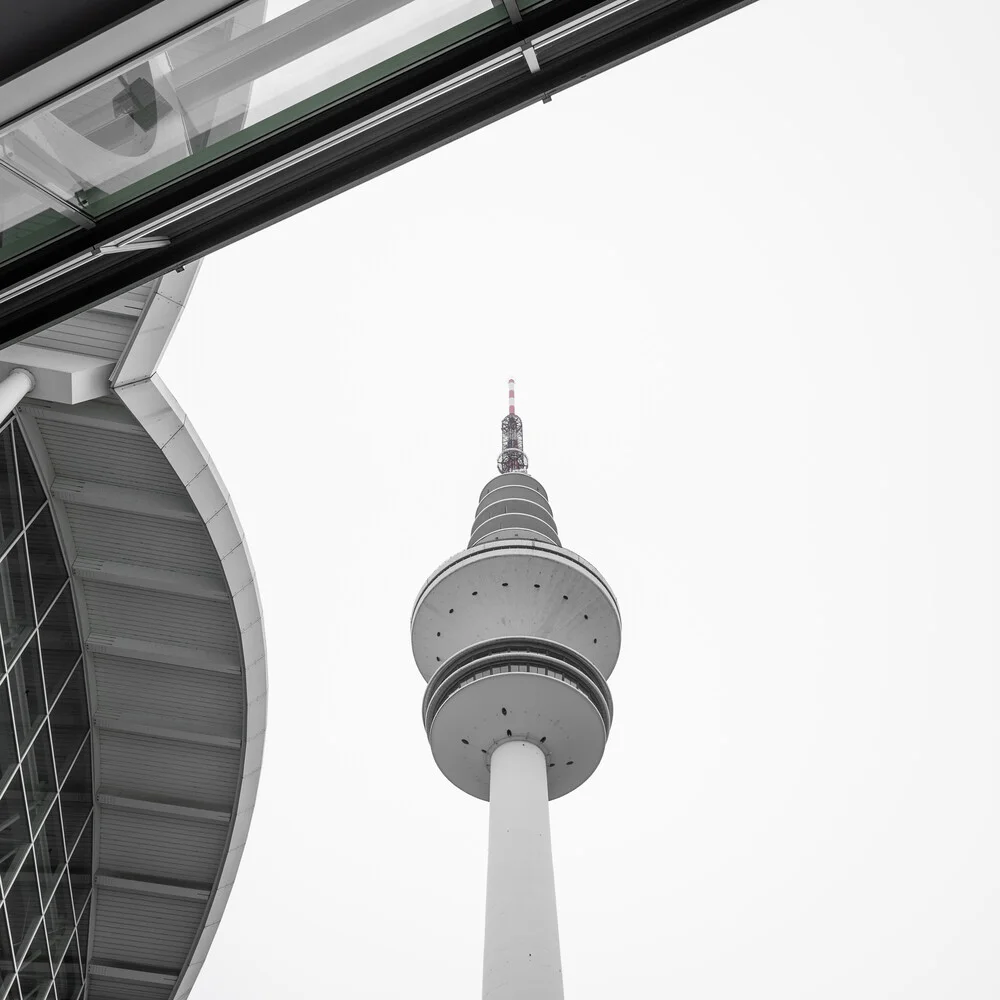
(513, 12)
(530, 57)
(142, 243)
(64, 207)
(527, 49)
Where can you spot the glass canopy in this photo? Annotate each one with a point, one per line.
(267, 109)
(221, 87)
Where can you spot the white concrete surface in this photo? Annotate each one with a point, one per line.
(515, 588)
(58, 376)
(13, 389)
(521, 954)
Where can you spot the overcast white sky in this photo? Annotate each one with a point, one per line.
(748, 286)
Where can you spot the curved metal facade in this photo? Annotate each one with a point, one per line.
(46, 787)
(132, 546)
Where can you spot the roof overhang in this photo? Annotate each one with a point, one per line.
(492, 73)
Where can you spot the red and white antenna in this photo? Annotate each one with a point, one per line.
(512, 457)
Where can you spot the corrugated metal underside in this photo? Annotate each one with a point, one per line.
(102, 332)
(168, 692)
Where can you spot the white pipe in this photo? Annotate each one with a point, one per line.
(13, 389)
(521, 956)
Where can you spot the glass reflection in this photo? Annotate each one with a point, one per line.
(69, 978)
(35, 971)
(32, 492)
(24, 908)
(48, 571)
(50, 855)
(14, 832)
(69, 721)
(26, 220)
(6, 960)
(39, 777)
(26, 692)
(8, 747)
(10, 500)
(83, 921)
(60, 919)
(248, 73)
(76, 808)
(59, 641)
(17, 617)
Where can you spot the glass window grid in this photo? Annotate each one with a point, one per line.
(38, 939)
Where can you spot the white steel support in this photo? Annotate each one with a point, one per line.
(13, 389)
(521, 957)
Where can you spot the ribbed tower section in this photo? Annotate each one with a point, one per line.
(516, 637)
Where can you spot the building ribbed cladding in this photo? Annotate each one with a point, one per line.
(513, 505)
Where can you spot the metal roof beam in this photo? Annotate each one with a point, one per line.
(131, 974)
(159, 808)
(106, 880)
(100, 416)
(165, 729)
(148, 502)
(208, 588)
(164, 653)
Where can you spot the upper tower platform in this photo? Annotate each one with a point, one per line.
(516, 637)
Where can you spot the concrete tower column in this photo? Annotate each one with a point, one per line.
(521, 956)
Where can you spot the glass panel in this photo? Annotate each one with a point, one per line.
(6, 959)
(32, 494)
(8, 748)
(76, 808)
(25, 220)
(60, 644)
(23, 907)
(69, 978)
(35, 972)
(81, 883)
(48, 571)
(14, 833)
(69, 721)
(26, 693)
(59, 919)
(83, 924)
(16, 616)
(35, 991)
(39, 777)
(10, 503)
(50, 855)
(231, 83)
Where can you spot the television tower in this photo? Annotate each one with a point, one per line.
(516, 637)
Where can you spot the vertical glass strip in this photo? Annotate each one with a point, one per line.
(44, 744)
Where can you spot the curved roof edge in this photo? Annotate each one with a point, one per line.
(144, 394)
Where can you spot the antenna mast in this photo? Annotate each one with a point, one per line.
(512, 457)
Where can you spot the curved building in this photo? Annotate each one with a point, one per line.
(133, 686)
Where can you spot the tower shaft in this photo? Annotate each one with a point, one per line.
(521, 955)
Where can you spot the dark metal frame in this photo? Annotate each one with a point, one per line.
(623, 33)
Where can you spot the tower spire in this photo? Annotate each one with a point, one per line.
(512, 457)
